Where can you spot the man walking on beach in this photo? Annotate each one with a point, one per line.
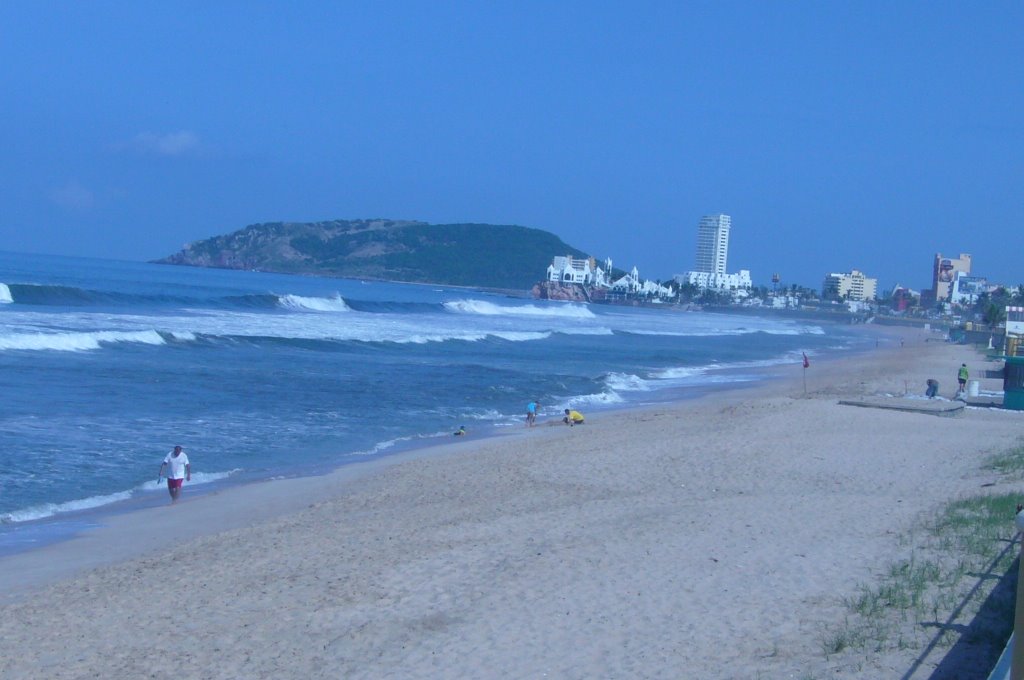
(178, 470)
(961, 377)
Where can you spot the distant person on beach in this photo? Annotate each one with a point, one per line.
(531, 413)
(178, 470)
(572, 418)
(461, 431)
(933, 388)
(962, 376)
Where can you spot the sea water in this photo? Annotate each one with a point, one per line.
(106, 365)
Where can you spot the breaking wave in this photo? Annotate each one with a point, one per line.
(314, 304)
(490, 309)
(76, 342)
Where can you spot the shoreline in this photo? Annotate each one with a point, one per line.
(87, 527)
(699, 535)
(68, 525)
(96, 537)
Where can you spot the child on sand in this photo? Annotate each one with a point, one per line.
(572, 418)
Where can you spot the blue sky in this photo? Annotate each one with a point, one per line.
(838, 135)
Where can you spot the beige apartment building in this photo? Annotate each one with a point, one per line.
(852, 286)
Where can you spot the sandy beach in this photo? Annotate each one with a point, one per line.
(714, 538)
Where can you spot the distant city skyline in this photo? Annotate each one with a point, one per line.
(837, 136)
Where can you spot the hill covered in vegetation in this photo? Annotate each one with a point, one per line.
(479, 255)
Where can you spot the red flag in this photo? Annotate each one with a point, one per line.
(806, 362)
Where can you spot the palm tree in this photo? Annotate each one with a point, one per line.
(994, 314)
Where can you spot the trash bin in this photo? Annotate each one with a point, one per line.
(1013, 384)
(973, 388)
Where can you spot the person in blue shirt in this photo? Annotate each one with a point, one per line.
(531, 413)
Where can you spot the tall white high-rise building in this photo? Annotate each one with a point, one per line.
(713, 243)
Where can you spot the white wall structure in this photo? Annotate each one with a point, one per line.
(567, 269)
(720, 282)
(1015, 320)
(633, 285)
(713, 243)
(630, 283)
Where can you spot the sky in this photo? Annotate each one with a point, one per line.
(838, 135)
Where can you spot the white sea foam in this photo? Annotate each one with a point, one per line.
(627, 382)
(75, 342)
(424, 339)
(687, 372)
(520, 337)
(383, 446)
(470, 337)
(197, 478)
(5, 294)
(490, 309)
(716, 332)
(581, 330)
(314, 304)
(600, 398)
(679, 372)
(487, 415)
(45, 510)
(51, 509)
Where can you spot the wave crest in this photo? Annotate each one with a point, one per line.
(484, 308)
(75, 342)
(314, 304)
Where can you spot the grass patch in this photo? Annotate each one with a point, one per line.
(910, 603)
(1008, 463)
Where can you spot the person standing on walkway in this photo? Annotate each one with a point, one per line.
(962, 376)
(178, 471)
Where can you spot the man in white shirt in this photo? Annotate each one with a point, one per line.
(178, 470)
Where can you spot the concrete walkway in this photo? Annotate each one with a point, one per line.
(935, 407)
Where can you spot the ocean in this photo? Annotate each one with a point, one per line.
(106, 365)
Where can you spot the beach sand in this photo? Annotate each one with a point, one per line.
(714, 538)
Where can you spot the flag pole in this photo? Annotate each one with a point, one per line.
(806, 365)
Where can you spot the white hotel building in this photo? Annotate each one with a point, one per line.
(712, 258)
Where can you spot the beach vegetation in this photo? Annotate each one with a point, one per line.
(1008, 462)
(953, 588)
